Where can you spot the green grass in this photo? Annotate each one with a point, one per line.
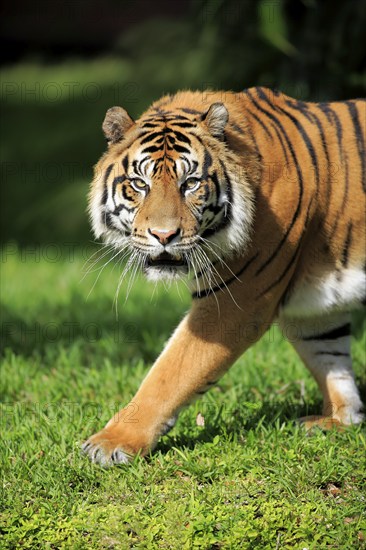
(250, 478)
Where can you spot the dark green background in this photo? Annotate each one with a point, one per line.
(66, 63)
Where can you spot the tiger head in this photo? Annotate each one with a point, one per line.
(170, 190)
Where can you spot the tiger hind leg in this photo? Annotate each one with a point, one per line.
(324, 345)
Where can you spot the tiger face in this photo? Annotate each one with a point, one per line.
(169, 191)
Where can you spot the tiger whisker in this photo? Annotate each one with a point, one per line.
(100, 272)
(122, 276)
(102, 253)
(106, 249)
(223, 282)
(206, 272)
(191, 262)
(139, 260)
(222, 262)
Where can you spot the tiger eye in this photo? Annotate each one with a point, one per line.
(138, 185)
(191, 183)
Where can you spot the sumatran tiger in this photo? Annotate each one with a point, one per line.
(260, 200)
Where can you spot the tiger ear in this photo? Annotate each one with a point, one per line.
(116, 123)
(216, 119)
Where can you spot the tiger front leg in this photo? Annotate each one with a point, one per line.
(198, 354)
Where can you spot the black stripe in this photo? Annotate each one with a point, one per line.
(105, 189)
(346, 188)
(335, 353)
(116, 181)
(152, 136)
(301, 187)
(314, 119)
(216, 183)
(245, 266)
(304, 135)
(153, 117)
(273, 126)
(174, 168)
(280, 138)
(126, 196)
(347, 244)
(181, 149)
(261, 123)
(207, 161)
(170, 140)
(191, 111)
(299, 126)
(207, 292)
(344, 198)
(173, 117)
(125, 163)
(107, 219)
(284, 273)
(162, 112)
(250, 132)
(184, 124)
(126, 228)
(294, 257)
(218, 226)
(152, 149)
(192, 165)
(108, 172)
(121, 207)
(182, 137)
(340, 332)
(237, 128)
(359, 139)
(150, 125)
(333, 117)
(140, 164)
(214, 209)
(301, 106)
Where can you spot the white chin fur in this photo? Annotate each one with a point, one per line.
(155, 274)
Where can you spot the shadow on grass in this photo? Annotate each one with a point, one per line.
(242, 420)
(140, 330)
(91, 326)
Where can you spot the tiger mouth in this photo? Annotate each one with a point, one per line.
(166, 260)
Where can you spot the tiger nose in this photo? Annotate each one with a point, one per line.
(164, 236)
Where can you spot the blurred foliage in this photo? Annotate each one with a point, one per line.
(52, 113)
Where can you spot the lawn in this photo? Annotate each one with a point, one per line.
(249, 478)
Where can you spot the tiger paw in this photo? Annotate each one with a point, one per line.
(105, 449)
(113, 446)
(322, 422)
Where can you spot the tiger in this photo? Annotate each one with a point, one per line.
(256, 200)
